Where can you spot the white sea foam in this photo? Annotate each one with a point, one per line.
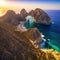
(48, 39)
(52, 22)
(42, 35)
(44, 39)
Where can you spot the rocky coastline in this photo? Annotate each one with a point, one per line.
(19, 43)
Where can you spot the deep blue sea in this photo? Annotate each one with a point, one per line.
(52, 32)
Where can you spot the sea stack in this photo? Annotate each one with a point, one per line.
(41, 16)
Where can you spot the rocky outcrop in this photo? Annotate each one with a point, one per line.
(32, 13)
(41, 16)
(34, 36)
(23, 14)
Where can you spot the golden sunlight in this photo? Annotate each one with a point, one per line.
(2, 11)
(3, 3)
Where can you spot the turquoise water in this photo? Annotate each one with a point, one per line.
(51, 32)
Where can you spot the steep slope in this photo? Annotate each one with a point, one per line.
(10, 17)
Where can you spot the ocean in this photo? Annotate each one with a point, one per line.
(52, 32)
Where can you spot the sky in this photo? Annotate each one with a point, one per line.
(44, 4)
(38, 0)
(17, 5)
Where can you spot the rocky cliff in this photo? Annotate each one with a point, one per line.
(16, 45)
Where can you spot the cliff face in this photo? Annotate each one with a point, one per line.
(16, 45)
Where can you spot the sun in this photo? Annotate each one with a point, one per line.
(2, 2)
